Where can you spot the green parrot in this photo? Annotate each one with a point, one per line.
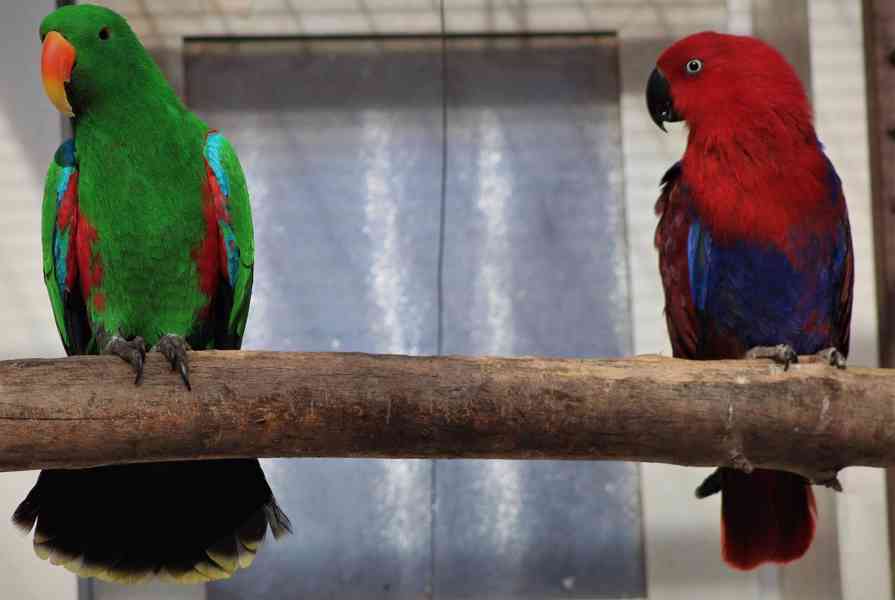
(147, 242)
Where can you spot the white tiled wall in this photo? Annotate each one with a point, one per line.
(29, 134)
(840, 106)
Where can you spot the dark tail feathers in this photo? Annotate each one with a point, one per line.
(189, 521)
(766, 516)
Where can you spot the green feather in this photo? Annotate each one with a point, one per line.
(141, 176)
(48, 224)
(241, 221)
(142, 199)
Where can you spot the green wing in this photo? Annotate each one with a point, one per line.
(58, 233)
(235, 225)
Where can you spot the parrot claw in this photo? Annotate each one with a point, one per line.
(710, 486)
(832, 357)
(132, 351)
(833, 483)
(174, 348)
(781, 353)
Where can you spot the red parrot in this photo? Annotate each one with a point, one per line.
(755, 251)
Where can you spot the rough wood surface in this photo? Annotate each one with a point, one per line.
(85, 411)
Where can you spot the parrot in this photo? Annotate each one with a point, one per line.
(147, 243)
(755, 253)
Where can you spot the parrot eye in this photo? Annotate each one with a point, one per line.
(104, 33)
(694, 66)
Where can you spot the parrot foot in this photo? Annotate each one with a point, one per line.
(174, 348)
(832, 357)
(828, 478)
(132, 351)
(781, 353)
(739, 461)
(833, 483)
(710, 486)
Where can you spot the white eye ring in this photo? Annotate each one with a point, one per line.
(694, 66)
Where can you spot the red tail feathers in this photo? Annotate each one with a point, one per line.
(766, 516)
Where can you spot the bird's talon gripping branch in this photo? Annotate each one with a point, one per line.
(781, 353)
(710, 485)
(110, 278)
(174, 348)
(833, 483)
(132, 351)
(828, 479)
(739, 462)
(750, 252)
(832, 357)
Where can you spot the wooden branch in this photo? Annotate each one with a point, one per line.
(85, 411)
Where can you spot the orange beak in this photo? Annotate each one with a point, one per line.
(56, 63)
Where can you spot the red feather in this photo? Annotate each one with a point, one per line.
(766, 516)
(671, 242)
(211, 255)
(207, 255)
(67, 220)
(753, 171)
(84, 263)
(753, 164)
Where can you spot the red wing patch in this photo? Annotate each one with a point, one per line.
(207, 255)
(90, 265)
(671, 238)
(67, 221)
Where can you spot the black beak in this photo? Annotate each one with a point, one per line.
(659, 100)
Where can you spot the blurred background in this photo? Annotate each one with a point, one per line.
(472, 177)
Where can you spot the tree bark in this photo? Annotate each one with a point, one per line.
(86, 411)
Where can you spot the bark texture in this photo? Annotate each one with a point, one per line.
(85, 411)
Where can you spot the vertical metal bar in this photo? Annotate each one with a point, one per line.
(879, 61)
(444, 150)
(433, 512)
(85, 588)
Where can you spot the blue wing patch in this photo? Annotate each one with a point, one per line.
(232, 250)
(64, 157)
(699, 250)
(213, 155)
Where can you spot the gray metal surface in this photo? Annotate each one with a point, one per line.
(535, 254)
(535, 263)
(336, 140)
(341, 142)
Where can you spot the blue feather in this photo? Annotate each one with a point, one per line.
(65, 154)
(61, 238)
(754, 292)
(63, 184)
(699, 245)
(232, 250)
(213, 156)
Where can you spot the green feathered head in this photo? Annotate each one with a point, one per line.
(90, 55)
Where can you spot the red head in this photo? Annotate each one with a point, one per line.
(717, 82)
(753, 165)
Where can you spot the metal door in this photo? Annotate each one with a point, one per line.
(359, 249)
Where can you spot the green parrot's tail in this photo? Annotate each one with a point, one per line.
(189, 521)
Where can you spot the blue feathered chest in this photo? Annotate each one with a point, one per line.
(725, 296)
